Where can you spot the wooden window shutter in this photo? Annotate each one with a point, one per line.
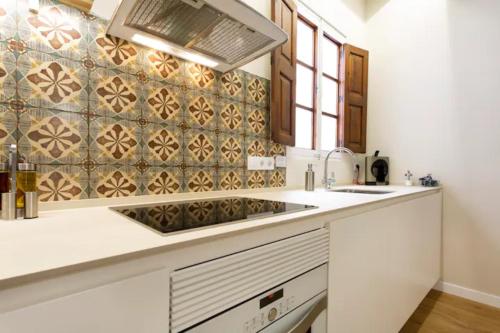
(353, 98)
(283, 77)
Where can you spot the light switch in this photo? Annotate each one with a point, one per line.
(280, 161)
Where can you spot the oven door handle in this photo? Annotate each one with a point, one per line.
(305, 322)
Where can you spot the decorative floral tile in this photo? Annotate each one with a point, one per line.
(231, 116)
(115, 141)
(115, 94)
(8, 125)
(113, 181)
(256, 179)
(231, 178)
(163, 67)
(277, 178)
(276, 149)
(201, 110)
(231, 150)
(200, 179)
(56, 29)
(62, 182)
(232, 85)
(7, 20)
(200, 148)
(257, 121)
(52, 82)
(199, 77)
(257, 90)
(49, 136)
(7, 73)
(255, 146)
(163, 180)
(163, 103)
(162, 144)
(16, 46)
(112, 52)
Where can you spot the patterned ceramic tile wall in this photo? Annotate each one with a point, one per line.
(107, 118)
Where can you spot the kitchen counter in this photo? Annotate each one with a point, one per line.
(74, 233)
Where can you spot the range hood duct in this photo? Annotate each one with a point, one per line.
(223, 34)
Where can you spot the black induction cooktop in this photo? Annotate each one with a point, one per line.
(180, 216)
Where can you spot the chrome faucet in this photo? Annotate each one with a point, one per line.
(326, 180)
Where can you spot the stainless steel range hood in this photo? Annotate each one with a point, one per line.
(223, 34)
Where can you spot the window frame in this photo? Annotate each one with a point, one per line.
(336, 116)
(314, 69)
(324, 28)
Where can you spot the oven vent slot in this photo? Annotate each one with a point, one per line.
(202, 291)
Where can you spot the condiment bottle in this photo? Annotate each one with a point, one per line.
(26, 182)
(309, 184)
(4, 180)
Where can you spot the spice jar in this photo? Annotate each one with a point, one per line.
(26, 182)
(4, 180)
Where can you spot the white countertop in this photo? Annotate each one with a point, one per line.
(88, 231)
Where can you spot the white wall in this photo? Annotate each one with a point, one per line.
(345, 15)
(434, 107)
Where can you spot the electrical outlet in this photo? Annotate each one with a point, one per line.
(260, 163)
(269, 162)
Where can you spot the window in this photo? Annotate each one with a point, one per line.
(305, 113)
(329, 92)
(318, 63)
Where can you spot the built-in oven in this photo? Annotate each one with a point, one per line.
(279, 287)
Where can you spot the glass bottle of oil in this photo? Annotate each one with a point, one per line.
(4, 180)
(26, 182)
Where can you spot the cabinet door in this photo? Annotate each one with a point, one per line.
(284, 14)
(353, 98)
(382, 264)
(137, 304)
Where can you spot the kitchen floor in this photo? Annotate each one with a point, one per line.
(440, 312)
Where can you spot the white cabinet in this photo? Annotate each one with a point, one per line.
(134, 305)
(382, 263)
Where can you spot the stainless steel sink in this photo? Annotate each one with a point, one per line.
(352, 190)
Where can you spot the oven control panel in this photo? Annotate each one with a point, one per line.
(269, 314)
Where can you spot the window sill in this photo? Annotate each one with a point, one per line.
(307, 153)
